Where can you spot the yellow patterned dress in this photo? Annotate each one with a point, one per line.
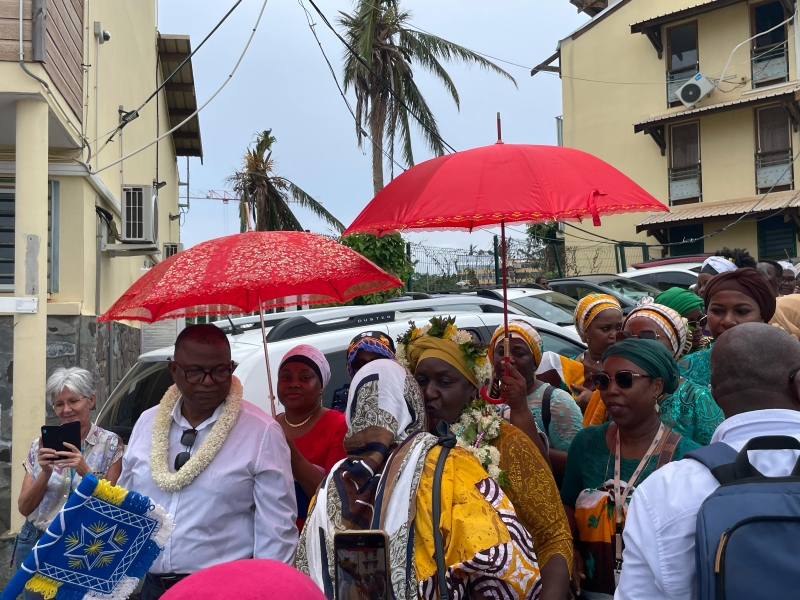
(485, 551)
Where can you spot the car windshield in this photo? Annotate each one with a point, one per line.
(556, 308)
(628, 288)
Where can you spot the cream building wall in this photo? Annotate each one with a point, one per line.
(599, 117)
(122, 72)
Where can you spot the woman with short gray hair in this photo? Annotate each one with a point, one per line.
(51, 476)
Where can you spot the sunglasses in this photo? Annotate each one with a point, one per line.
(623, 379)
(702, 322)
(187, 439)
(643, 335)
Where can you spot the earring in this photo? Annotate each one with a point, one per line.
(658, 406)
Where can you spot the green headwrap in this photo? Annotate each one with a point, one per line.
(680, 300)
(649, 355)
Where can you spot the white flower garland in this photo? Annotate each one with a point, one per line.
(159, 446)
(477, 426)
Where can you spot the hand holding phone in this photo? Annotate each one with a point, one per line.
(362, 565)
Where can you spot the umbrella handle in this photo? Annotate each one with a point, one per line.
(488, 398)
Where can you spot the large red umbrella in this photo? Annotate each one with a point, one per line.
(500, 184)
(248, 272)
(510, 183)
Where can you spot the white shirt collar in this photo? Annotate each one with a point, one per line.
(178, 417)
(742, 427)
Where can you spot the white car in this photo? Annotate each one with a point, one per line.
(532, 301)
(683, 275)
(329, 330)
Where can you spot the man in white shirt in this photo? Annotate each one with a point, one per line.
(219, 465)
(754, 380)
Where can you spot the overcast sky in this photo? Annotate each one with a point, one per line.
(283, 83)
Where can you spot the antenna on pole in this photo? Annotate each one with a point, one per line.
(499, 130)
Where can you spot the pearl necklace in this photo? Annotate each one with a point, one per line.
(286, 418)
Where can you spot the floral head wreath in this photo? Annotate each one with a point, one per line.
(474, 352)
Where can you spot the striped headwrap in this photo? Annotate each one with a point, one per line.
(589, 307)
(371, 341)
(524, 331)
(668, 319)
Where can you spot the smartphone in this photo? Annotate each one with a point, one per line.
(54, 436)
(362, 563)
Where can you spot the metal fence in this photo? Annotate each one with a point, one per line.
(438, 268)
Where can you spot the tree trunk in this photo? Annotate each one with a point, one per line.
(376, 126)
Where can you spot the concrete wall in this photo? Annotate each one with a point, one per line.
(71, 341)
(599, 117)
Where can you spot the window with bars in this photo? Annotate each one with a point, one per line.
(685, 176)
(774, 150)
(776, 239)
(682, 59)
(7, 220)
(769, 53)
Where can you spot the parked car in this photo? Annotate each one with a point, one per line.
(330, 330)
(673, 261)
(532, 300)
(466, 303)
(664, 277)
(626, 290)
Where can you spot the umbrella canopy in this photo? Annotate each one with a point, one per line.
(508, 183)
(248, 272)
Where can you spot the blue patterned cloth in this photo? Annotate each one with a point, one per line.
(371, 341)
(102, 542)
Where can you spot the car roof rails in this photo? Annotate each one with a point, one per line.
(302, 326)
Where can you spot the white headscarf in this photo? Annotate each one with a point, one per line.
(719, 264)
(787, 266)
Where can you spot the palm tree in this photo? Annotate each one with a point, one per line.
(266, 196)
(380, 32)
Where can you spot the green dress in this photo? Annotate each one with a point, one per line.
(692, 412)
(697, 367)
(590, 463)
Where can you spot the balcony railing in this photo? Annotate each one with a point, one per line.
(675, 79)
(685, 185)
(770, 65)
(774, 169)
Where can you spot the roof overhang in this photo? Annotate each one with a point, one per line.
(590, 7)
(724, 210)
(180, 93)
(547, 65)
(652, 27)
(787, 96)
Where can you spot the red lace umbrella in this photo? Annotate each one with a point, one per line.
(248, 272)
(500, 184)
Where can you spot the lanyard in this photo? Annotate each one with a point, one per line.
(620, 498)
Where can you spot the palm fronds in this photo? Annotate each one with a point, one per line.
(265, 196)
(381, 32)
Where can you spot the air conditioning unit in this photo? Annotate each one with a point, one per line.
(696, 88)
(139, 214)
(172, 248)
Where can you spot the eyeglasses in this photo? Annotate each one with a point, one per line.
(188, 438)
(643, 335)
(195, 376)
(787, 279)
(623, 379)
(702, 322)
(73, 403)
